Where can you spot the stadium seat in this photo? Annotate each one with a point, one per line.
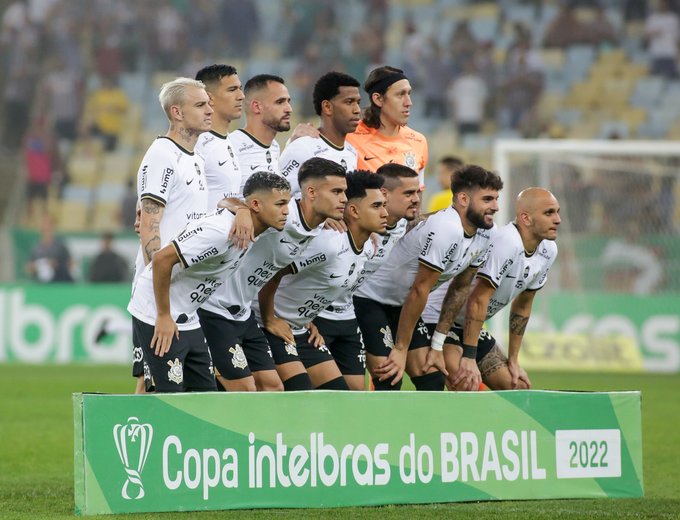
(72, 215)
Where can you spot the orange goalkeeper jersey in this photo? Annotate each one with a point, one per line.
(375, 149)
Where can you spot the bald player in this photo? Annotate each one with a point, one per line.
(519, 258)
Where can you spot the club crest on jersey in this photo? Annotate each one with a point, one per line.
(526, 272)
(268, 156)
(137, 355)
(387, 337)
(238, 358)
(410, 160)
(351, 269)
(343, 163)
(291, 350)
(176, 373)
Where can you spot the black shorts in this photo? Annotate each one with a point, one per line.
(186, 367)
(237, 347)
(343, 339)
(485, 342)
(137, 354)
(302, 351)
(379, 323)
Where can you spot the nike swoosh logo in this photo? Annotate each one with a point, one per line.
(284, 241)
(336, 276)
(513, 277)
(367, 158)
(189, 181)
(253, 168)
(222, 163)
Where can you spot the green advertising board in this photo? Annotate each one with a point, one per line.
(330, 449)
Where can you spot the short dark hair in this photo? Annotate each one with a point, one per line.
(471, 176)
(393, 172)
(328, 86)
(372, 113)
(212, 74)
(260, 81)
(451, 161)
(262, 181)
(318, 168)
(359, 181)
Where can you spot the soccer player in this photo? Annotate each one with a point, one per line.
(336, 100)
(330, 269)
(171, 183)
(228, 319)
(183, 274)
(222, 170)
(268, 112)
(382, 135)
(517, 266)
(449, 244)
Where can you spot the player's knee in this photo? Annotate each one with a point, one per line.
(431, 382)
(271, 386)
(385, 385)
(298, 382)
(338, 383)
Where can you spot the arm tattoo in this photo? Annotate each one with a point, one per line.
(518, 324)
(152, 245)
(452, 304)
(151, 207)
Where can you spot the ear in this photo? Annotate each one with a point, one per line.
(524, 218)
(211, 100)
(176, 112)
(352, 211)
(462, 199)
(326, 107)
(255, 107)
(255, 205)
(377, 99)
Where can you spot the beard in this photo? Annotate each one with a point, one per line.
(278, 125)
(476, 218)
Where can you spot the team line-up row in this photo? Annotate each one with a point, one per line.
(268, 271)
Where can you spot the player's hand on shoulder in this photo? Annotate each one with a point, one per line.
(163, 334)
(336, 225)
(242, 230)
(304, 130)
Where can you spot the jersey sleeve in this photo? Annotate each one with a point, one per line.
(498, 260)
(291, 159)
(437, 245)
(157, 176)
(203, 239)
(540, 281)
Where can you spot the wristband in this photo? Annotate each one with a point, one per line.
(469, 351)
(437, 341)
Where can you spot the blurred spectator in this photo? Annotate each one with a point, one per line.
(439, 74)
(17, 101)
(662, 30)
(600, 30)
(50, 260)
(307, 72)
(520, 88)
(40, 159)
(128, 206)
(414, 48)
(443, 198)
(105, 112)
(462, 44)
(108, 266)
(170, 37)
(241, 25)
(565, 29)
(467, 96)
(62, 95)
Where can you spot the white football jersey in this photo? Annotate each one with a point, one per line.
(327, 271)
(304, 148)
(175, 178)
(511, 270)
(440, 243)
(222, 170)
(434, 303)
(272, 251)
(207, 258)
(253, 155)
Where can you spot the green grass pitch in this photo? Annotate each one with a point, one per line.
(36, 452)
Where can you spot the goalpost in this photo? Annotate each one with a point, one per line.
(618, 270)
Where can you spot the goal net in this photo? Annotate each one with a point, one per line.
(616, 282)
